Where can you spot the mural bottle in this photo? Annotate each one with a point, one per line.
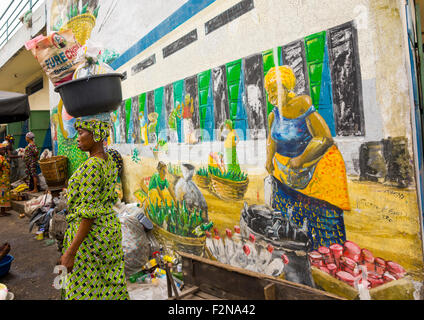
(229, 245)
(276, 267)
(251, 253)
(239, 258)
(219, 249)
(237, 238)
(250, 258)
(265, 256)
(209, 244)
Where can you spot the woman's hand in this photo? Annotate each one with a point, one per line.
(295, 163)
(67, 260)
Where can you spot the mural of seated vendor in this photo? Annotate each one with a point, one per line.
(308, 170)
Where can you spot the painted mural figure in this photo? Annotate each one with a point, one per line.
(216, 160)
(151, 127)
(172, 123)
(230, 145)
(188, 127)
(143, 128)
(308, 169)
(159, 188)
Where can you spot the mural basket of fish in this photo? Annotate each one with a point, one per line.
(226, 189)
(174, 242)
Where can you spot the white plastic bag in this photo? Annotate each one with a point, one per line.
(135, 244)
(36, 203)
(89, 55)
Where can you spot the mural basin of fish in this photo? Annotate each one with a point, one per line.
(270, 227)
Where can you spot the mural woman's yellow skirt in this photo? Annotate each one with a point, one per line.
(155, 198)
(329, 181)
(319, 194)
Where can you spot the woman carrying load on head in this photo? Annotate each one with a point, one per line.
(92, 250)
(309, 171)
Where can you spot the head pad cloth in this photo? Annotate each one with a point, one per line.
(98, 124)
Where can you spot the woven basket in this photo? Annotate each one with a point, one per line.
(55, 170)
(228, 190)
(81, 27)
(174, 242)
(202, 181)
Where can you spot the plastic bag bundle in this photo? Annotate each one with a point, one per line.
(56, 54)
(46, 154)
(89, 57)
(135, 244)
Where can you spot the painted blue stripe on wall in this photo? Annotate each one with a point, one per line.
(187, 10)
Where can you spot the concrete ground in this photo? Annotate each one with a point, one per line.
(31, 274)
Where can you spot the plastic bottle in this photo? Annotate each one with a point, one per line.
(265, 255)
(136, 276)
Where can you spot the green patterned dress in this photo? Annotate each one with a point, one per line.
(98, 272)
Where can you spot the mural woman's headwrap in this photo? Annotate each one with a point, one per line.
(98, 124)
(284, 74)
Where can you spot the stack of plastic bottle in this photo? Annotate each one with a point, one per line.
(152, 272)
(245, 253)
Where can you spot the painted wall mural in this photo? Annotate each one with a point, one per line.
(299, 216)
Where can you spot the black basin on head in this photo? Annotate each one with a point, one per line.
(91, 95)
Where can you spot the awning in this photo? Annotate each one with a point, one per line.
(14, 107)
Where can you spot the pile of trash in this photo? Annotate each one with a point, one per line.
(47, 213)
(144, 257)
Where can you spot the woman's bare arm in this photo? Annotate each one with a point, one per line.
(67, 259)
(321, 141)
